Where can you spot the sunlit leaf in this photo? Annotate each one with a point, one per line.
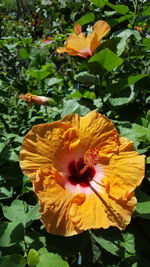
(16, 211)
(121, 9)
(148, 160)
(129, 242)
(19, 211)
(6, 192)
(143, 205)
(86, 19)
(10, 233)
(135, 132)
(99, 3)
(51, 259)
(52, 81)
(90, 95)
(73, 106)
(105, 59)
(38, 74)
(32, 258)
(108, 245)
(107, 240)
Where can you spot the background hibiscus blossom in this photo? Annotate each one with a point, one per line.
(77, 44)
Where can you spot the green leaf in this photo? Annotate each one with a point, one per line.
(106, 59)
(111, 44)
(38, 74)
(86, 94)
(146, 11)
(13, 261)
(27, 185)
(33, 258)
(15, 212)
(47, 67)
(129, 242)
(27, 40)
(107, 245)
(51, 260)
(148, 160)
(137, 35)
(123, 83)
(76, 94)
(134, 132)
(146, 42)
(141, 131)
(6, 192)
(110, 13)
(123, 100)
(10, 233)
(2, 145)
(35, 240)
(72, 106)
(11, 46)
(8, 153)
(89, 95)
(115, 21)
(52, 81)
(124, 35)
(99, 3)
(89, 17)
(32, 214)
(86, 78)
(108, 240)
(143, 205)
(19, 211)
(121, 9)
(24, 53)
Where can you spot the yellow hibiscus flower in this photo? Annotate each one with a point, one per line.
(83, 172)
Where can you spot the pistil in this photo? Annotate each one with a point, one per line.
(83, 169)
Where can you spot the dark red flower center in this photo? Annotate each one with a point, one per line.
(76, 177)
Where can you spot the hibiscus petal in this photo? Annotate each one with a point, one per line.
(125, 171)
(61, 50)
(77, 28)
(55, 202)
(46, 145)
(106, 212)
(76, 42)
(100, 29)
(93, 129)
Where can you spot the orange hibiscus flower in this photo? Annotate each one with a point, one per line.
(77, 44)
(83, 172)
(29, 98)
